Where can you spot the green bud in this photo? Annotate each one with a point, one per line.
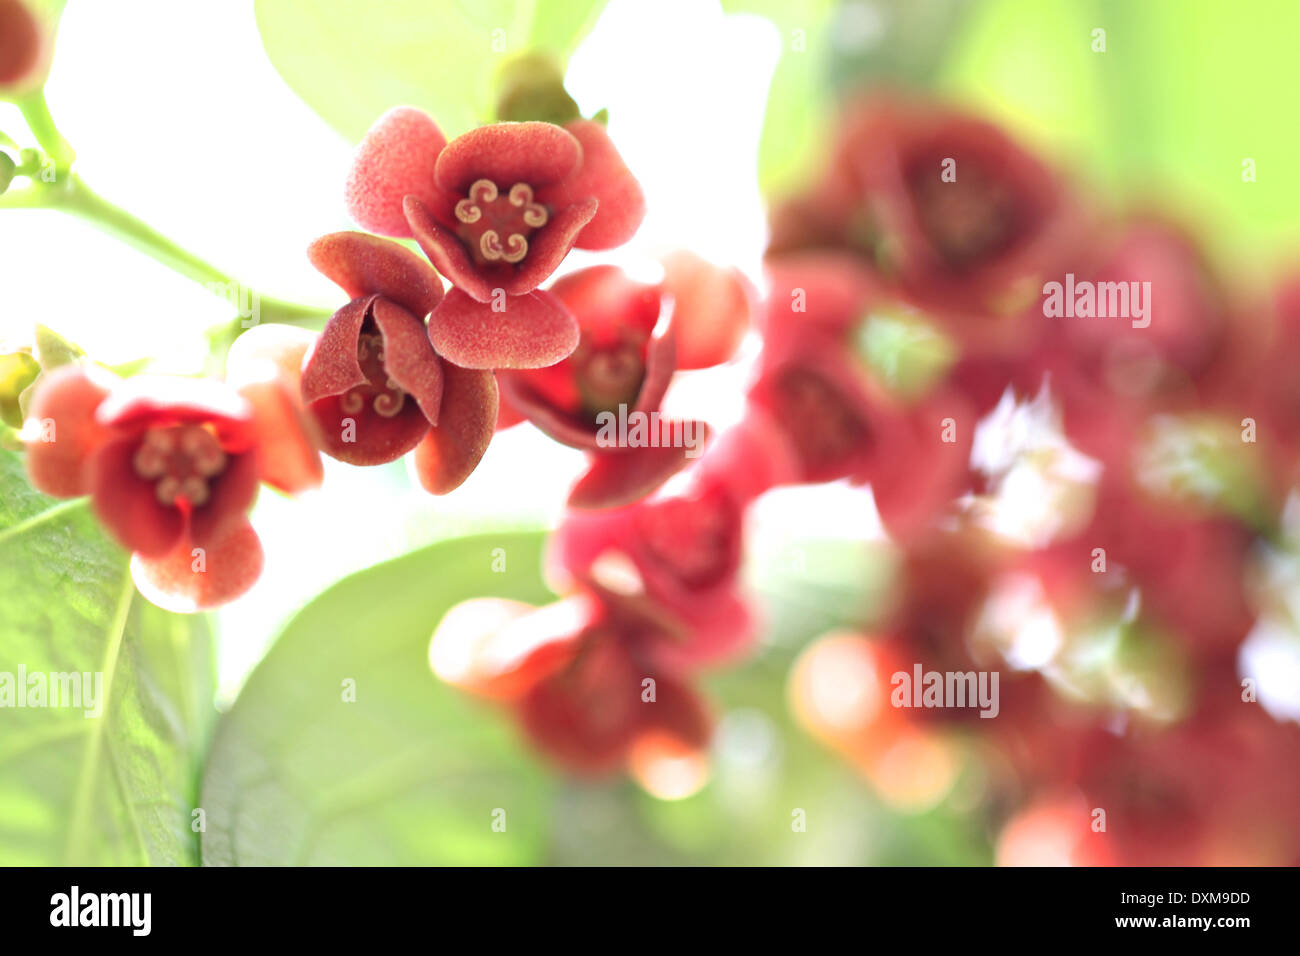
(531, 87)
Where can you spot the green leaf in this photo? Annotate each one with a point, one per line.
(117, 789)
(798, 104)
(411, 771)
(351, 62)
(1181, 96)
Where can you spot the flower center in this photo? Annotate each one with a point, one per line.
(825, 431)
(383, 394)
(609, 376)
(496, 227)
(970, 220)
(180, 460)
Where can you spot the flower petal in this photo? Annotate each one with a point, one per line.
(508, 153)
(750, 458)
(127, 504)
(500, 648)
(586, 716)
(364, 437)
(451, 451)
(185, 581)
(605, 176)
(530, 404)
(396, 159)
(286, 448)
(156, 400)
(364, 265)
(549, 245)
(67, 397)
(627, 476)
(232, 494)
(547, 248)
(409, 358)
(269, 351)
(332, 367)
(712, 308)
(533, 331)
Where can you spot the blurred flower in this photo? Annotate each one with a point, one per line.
(945, 209)
(836, 413)
(605, 398)
(172, 466)
(582, 684)
(26, 46)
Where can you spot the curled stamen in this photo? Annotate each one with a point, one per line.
(483, 190)
(388, 404)
(534, 215)
(351, 402)
(517, 247)
(490, 245)
(467, 212)
(521, 194)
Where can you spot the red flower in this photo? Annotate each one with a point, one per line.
(172, 466)
(839, 419)
(1185, 325)
(605, 398)
(675, 558)
(578, 677)
(374, 382)
(496, 210)
(25, 47)
(946, 209)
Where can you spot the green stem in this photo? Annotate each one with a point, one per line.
(37, 114)
(68, 193)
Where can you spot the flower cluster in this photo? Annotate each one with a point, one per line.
(1084, 477)
(1077, 435)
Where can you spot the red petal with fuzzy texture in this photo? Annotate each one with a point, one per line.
(375, 439)
(712, 308)
(154, 401)
(750, 458)
(396, 159)
(619, 479)
(265, 366)
(451, 451)
(232, 494)
(128, 505)
(508, 153)
(605, 176)
(68, 397)
(286, 448)
(547, 248)
(534, 331)
(332, 367)
(500, 648)
(587, 716)
(365, 265)
(229, 567)
(409, 358)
